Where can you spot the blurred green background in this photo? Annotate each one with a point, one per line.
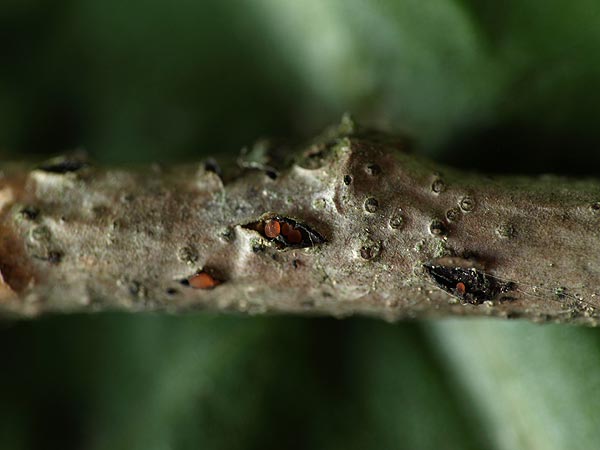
(503, 87)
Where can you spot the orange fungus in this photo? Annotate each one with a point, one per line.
(286, 228)
(203, 280)
(294, 236)
(272, 229)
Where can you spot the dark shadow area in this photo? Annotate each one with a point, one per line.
(520, 148)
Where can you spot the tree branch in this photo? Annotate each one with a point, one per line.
(355, 225)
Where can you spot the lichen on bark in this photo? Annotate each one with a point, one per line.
(362, 226)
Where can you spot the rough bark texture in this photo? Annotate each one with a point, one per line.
(374, 230)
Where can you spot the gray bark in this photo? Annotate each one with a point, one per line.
(383, 233)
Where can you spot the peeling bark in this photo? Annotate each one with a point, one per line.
(354, 225)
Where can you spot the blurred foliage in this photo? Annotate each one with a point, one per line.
(508, 86)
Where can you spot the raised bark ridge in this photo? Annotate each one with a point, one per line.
(355, 225)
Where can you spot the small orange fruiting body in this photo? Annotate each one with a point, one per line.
(286, 228)
(272, 229)
(461, 288)
(294, 236)
(203, 280)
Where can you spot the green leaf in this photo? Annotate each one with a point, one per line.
(533, 386)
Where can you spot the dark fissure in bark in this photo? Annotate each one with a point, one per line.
(469, 284)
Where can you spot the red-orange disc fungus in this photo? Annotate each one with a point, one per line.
(461, 288)
(294, 236)
(272, 229)
(203, 280)
(286, 228)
